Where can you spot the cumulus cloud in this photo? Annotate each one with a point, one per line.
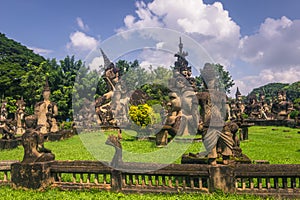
(41, 51)
(210, 25)
(276, 44)
(96, 63)
(81, 24)
(270, 55)
(81, 41)
(246, 84)
(156, 58)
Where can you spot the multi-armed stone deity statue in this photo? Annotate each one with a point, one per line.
(46, 112)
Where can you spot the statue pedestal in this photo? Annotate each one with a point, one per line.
(31, 175)
(9, 144)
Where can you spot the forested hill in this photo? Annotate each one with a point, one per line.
(14, 59)
(270, 90)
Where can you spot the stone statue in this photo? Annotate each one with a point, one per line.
(46, 112)
(218, 138)
(3, 110)
(237, 107)
(33, 143)
(281, 108)
(112, 107)
(20, 116)
(7, 130)
(253, 109)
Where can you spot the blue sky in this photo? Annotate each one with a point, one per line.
(257, 41)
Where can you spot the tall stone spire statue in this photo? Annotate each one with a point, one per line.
(181, 52)
(107, 62)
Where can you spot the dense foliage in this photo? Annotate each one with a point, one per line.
(23, 74)
(271, 90)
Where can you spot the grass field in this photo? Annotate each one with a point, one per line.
(279, 145)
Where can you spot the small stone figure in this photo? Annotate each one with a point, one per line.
(237, 108)
(3, 110)
(6, 130)
(282, 108)
(46, 112)
(33, 143)
(253, 110)
(20, 116)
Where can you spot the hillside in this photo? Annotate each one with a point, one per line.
(270, 90)
(14, 58)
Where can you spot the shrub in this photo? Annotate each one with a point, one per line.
(143, 115)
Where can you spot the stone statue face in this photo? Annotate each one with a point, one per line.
(280, 97)
(175, 101)
(46, 95)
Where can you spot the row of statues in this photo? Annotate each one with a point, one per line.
(255, 109)
(183, 116)
(45, 112)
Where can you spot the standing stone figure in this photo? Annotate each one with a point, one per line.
(20, 116)
(282, 108)
(46, 112)
(3, 110)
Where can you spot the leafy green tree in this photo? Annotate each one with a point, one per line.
(14, 59)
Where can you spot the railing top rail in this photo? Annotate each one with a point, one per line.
(6, 164)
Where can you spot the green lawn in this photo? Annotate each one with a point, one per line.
(279, 146)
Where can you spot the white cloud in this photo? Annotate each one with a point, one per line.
(210, 25)
(275, 45)
(81, 41)
(156, 58)
(272, 53)
(96, 63)
(81, 24)
(247, 83)
(43, 52)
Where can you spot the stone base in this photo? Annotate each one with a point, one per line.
(32, 175)
(8, 144)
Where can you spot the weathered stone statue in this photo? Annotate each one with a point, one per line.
(111, 114)
(237, 107)
(46, 112)
(6, 129)
(183, 114)
(254, 108)
(3, 110)
(282, 108)
(20, 116)
(33, 143)
(219, 138)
